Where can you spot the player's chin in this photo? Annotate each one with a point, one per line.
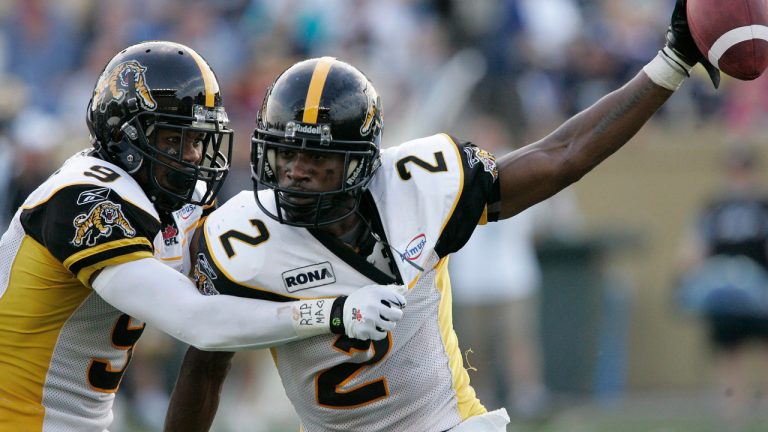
(299, 200)
(178, 182)
(302, 216)
(177, 188)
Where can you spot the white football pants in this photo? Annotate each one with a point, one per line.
(492, 421)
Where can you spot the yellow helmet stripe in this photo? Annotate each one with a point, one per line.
(209, 80)
(315, 91)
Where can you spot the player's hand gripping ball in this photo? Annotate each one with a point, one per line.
(732, 34)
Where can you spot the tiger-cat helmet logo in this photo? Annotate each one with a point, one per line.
(117, 82)
(99, 223)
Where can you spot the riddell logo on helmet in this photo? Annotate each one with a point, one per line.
(307, 129)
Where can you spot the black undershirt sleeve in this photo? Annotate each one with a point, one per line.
(480, 191)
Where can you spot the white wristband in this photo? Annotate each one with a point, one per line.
(667, 69)
(312, 317)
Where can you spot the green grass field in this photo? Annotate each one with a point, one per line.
(650, 413)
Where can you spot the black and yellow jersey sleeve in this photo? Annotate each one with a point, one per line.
(478, 203)
(88, 227)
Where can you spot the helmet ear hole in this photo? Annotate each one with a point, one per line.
(126, 156)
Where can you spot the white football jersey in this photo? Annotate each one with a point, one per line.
(63, 350)
(425, 200)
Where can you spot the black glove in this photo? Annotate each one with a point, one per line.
(680, 41)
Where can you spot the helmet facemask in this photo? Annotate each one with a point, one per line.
(169, 180)
(304, 208)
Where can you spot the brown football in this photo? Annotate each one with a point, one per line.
(732, 34)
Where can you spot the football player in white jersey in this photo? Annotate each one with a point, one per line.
(99, 249)
(332, 212)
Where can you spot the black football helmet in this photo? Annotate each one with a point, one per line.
(154, 86)
(318, 105)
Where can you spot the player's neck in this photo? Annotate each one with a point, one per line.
(343, 228)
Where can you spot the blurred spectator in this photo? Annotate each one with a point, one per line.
(33, 135)
(41, 48)
(12, 99)
(199, 25)
(6, 163)
(725, 263)
(745, 108)
(495, 282)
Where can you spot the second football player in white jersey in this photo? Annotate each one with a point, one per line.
(332, 212)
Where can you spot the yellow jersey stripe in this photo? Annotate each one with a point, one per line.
(484, 216)
(468, 404)
(30, 328)
(315, 91)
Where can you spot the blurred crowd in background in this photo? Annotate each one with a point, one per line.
(501, 70)
(527, 64)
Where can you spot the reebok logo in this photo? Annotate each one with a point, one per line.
(93, 196)
(309, 277)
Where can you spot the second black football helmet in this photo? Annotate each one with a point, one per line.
(154, 86)
(318, 105)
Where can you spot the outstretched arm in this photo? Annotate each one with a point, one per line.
(540, 170)
(195, 397)
(537, 171)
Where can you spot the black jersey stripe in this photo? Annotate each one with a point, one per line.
(228, 287)
(108, 254)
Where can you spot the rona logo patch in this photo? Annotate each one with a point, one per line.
(309, 277)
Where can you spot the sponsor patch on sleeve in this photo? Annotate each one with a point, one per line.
(204, 275)
(476, 155)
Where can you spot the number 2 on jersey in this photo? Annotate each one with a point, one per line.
(439, 166)
(261, 236)
(329, 381)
